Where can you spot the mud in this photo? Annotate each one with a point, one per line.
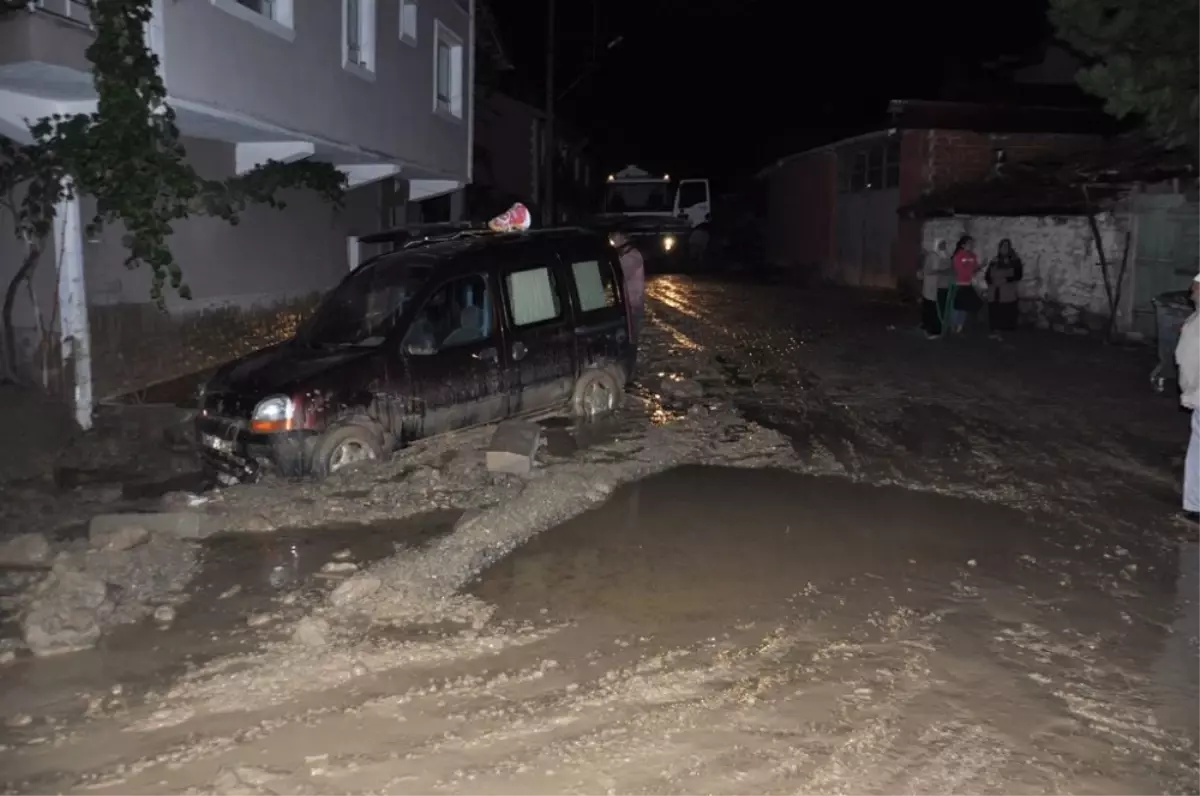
(818, 554)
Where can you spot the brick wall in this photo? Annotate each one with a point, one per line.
(950, 157)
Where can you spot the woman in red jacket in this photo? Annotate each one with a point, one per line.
(966, 300)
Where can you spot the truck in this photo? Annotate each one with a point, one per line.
(667, 220)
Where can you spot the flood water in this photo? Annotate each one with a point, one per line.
(696, 551)
(243, 575)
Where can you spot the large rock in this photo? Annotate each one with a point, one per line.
(354, 590)
(28, 549)
(68, 613)
(116, 539)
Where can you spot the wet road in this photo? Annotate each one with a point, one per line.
(969, 581)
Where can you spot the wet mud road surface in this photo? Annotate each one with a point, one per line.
(962, 575)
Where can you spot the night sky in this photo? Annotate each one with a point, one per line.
(718, 89)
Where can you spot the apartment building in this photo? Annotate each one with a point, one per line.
(382, 89)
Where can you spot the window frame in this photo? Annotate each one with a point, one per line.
(875, 167)
(551, 268)
(455, 105)
(364, 67)
(281, 21)
(602, 262)
(410, 12)
(892, 159)
(858, 172)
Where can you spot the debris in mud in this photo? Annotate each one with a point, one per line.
(181, 524)
(67, 614)
(164, 614)
(679, 388)
(118, 539)
(311, 631)
(28, 549)
(514, 447)
(355, 590)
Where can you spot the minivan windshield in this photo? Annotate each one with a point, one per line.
(362, 310)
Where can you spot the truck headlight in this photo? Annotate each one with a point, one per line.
(668, 243)
(273, 414)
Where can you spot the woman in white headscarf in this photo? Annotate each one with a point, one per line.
(935, 284)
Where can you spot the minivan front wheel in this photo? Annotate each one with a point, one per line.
(597, 392)
(345, 446)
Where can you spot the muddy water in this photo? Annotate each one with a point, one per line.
(1028, 627)
(267, 576)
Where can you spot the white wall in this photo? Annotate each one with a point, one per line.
(298, 82)
(1063, 284)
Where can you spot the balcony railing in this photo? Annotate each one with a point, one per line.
(77, 11)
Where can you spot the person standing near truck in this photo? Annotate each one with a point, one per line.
(634, 271)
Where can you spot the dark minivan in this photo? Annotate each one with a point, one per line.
(446, 333)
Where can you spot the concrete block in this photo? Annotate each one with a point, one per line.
(513, 447)
(181, 524)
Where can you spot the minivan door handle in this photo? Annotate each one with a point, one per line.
(519, 351)
(485, 355)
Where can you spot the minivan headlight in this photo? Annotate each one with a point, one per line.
(273, 414)
(668, 243)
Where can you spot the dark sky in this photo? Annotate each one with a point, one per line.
(724, 87)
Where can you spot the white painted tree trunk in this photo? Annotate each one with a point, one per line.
(72, 302)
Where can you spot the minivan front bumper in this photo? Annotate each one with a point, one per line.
(227, 446)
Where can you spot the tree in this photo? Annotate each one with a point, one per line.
(1145, 60)
(128, 157)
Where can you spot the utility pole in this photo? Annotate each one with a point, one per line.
(551, 147)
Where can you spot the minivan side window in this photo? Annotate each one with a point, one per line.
(533, 296)
(595, 285)
(458, 313)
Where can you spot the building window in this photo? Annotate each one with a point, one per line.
(858, 177)
(273, 16)
(447, 72)
(892, 166)
(358, 40)
(408, 21)
(875, 168)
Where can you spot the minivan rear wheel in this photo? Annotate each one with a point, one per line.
(345, 446)
(597, 392)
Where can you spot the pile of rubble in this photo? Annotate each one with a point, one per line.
(68, 593)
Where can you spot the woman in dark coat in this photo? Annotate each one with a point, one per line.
(1003, 274)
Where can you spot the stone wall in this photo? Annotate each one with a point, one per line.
(1063, 285)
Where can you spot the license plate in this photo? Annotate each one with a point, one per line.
(216, 443)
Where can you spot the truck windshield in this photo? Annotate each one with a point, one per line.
(364, 308)
(650, 196)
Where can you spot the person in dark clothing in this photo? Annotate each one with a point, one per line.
(1003, 274)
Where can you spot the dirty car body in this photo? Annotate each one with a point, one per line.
(448, 334)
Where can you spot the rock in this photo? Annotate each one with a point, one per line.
(339, 567)
(106, 494)
(258, 620)
(355, 589)
(682, 389)
(180, 524)
(164, 614)
(311, 631)
(20, 720)
(241, 780)
(68, 613)
(7, 656)
(125, 538)
(513, 447)
(28, 549)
